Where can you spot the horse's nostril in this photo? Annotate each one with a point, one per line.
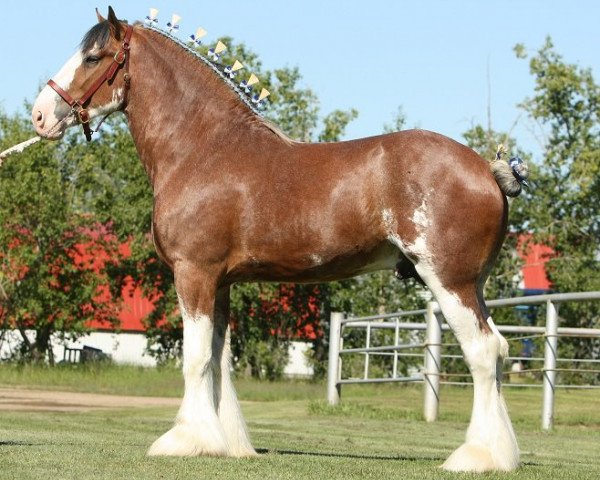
(38, 119)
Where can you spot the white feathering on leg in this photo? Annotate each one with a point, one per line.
(197, 429)
(490, 441)
(230, 413)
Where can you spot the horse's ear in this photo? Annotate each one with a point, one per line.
(115, 25)
(100, 17)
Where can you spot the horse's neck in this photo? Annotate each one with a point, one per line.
(177, 108)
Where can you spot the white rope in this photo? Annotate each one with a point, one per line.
(18, 148)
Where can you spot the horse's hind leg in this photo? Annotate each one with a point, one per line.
(197, 430)
(228, 407)
(490, 441)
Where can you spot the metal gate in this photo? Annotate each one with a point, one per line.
(430, 350)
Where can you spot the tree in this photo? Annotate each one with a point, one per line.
(292, 107)
(398, 122)
(46, 286)
(334, 124)
(566, 212)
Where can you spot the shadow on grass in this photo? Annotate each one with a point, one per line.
(17, 443)
(275, 451)
(401, 458)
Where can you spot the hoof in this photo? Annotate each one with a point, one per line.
(471, 457)
(187, 441)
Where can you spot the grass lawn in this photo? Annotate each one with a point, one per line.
(376, 433)
(129, 380)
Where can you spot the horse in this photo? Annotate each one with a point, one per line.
(236, 200)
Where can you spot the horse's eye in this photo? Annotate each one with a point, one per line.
(92, 59)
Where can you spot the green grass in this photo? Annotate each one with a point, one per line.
(376, 433)
(96, 378)
(130, 380)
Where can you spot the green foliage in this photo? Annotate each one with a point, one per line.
(266, 317)
(562, 209)
(44, 288)
(567, 103)
(566, 212)
(266, 359)
(398, 123)
(291, 106)
(335, 123)
(375, 293)
(110, 181)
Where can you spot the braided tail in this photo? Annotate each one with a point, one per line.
(511, 175)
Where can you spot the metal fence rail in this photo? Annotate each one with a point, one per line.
(431, 350)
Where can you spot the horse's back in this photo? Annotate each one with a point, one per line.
(417, 154)
(404, 167)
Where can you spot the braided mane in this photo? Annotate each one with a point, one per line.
(232, 85)
(99, 35)
(243, 96)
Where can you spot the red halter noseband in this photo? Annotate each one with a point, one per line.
(78, 107)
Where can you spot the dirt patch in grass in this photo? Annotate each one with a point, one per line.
(44, 400)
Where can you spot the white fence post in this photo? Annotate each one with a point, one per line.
(333, 369)
(367, 357)
(550, 354)
(396, 342)
(431, 375)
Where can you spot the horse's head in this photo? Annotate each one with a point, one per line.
(92, 83)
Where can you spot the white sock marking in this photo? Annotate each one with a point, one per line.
(490, 440)
(197, 430)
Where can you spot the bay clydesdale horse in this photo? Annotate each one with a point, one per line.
(235, 200)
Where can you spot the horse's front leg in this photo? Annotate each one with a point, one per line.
(228, 407)
(197, 429)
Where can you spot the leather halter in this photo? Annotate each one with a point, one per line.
(78, 107)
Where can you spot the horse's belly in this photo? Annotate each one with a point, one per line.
(318, 266)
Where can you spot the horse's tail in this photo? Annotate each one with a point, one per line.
(511, 175)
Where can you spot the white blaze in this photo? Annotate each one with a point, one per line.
(53, 109)
(48, 101)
